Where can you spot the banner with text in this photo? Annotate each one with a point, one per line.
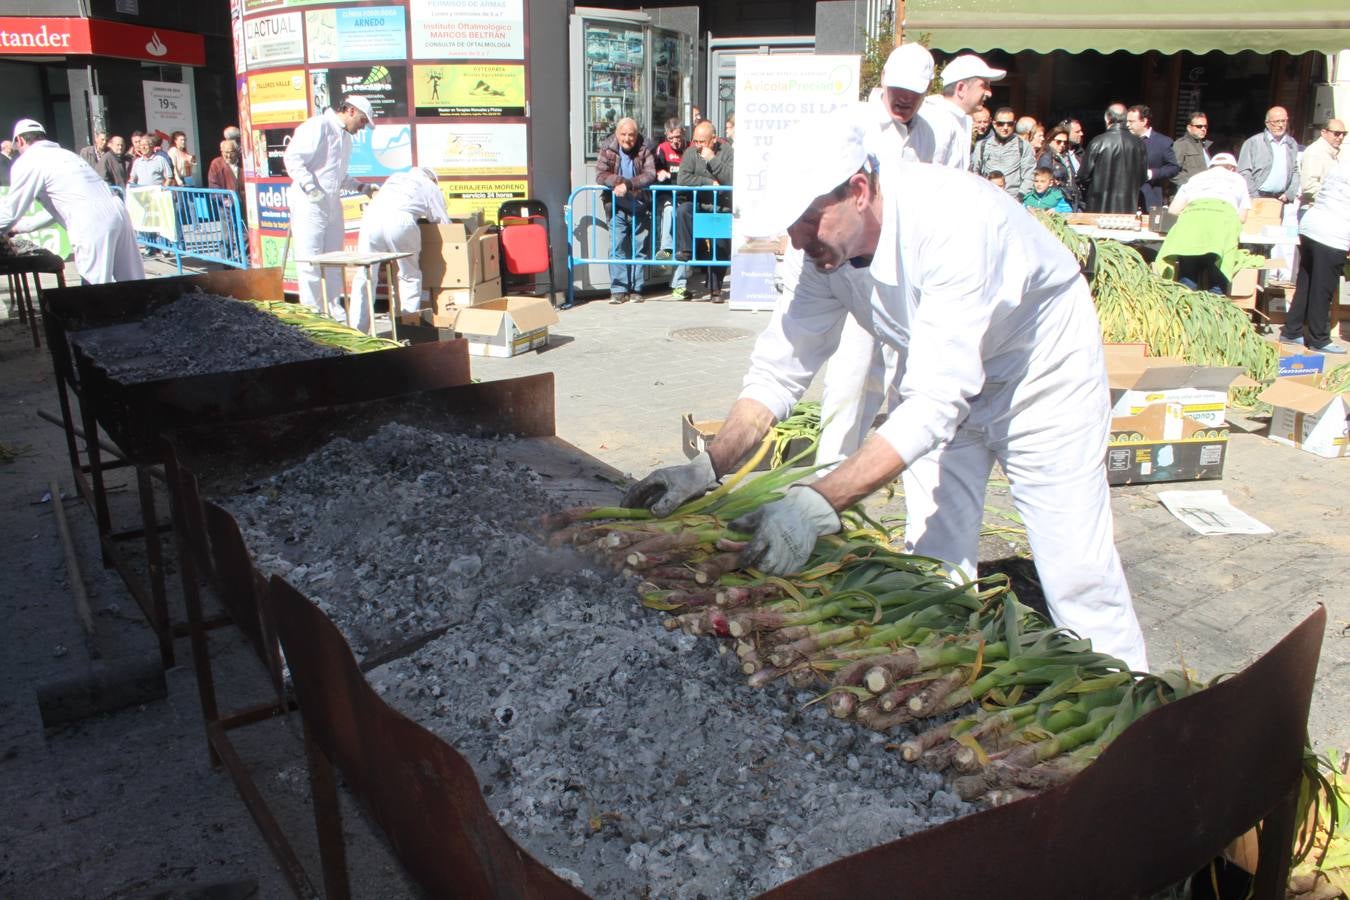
(469, 91)
(453, 29)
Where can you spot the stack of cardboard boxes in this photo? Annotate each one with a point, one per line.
(462, 292)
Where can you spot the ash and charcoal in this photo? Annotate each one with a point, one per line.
(17, 246)
(634, 761)
(198, 334)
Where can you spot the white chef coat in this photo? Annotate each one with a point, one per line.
(893, 140)
(74, 196)
(951, 131)
(1001, 358)
(1216, 183)
(389, 226)
(317, 156)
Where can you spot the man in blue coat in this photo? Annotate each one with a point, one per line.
(1161, 160)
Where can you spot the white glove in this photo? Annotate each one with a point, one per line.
(665, 490)
(315, 194)
(786, 530)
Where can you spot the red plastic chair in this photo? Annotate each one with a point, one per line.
(526, 247)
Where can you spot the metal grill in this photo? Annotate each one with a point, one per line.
(710, 334)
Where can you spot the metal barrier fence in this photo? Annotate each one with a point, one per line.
(208, 225)
(590, 217)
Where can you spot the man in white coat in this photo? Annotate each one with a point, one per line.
(390, 226)
(965, 87)
(316, 160)
(74, 196)
(856, 376)
(1002, 360)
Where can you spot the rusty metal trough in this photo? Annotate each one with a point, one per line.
(1160, 803)
(134, 415)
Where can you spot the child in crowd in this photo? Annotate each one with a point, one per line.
(997, 180)
(1044, 194)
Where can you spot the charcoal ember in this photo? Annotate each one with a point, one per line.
(198, 334)
(637, 758)
(17, 246)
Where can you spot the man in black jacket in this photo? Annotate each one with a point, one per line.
(1162, 163)
(1115, 167)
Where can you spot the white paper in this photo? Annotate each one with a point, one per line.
(1209, 512)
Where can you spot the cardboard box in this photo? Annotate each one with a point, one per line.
(1293, 363)
(1160, 444)
(1266, 212)
(1308, 417)
(458, 256)
(444, 303)
(697, 435)
(1169, 419)
(506, 326)
(1138, 381)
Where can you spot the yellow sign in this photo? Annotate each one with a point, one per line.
(478, 90)
(151, 209)
(278, 98)
(464, 198)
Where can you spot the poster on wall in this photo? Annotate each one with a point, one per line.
(352, 35)
(474, 90)
(453, 29)
(386, 87)
(169, 108)
(274, 41)
(774, 93)
(473, 149)
(269, 150)
(277, 98)
(464, 198)
(272, 210)
(381, 151)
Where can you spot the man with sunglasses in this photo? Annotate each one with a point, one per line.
(1318, 159)
(1007, 153)
(1002, 361)
(1192, 149)
(1269, 160)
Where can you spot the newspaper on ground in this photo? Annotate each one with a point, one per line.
(1209, 512)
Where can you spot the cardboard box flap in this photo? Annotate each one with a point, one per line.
(483, 321)
(1150, 423)
(1205, 378)
(532, 312)
(1298, 393)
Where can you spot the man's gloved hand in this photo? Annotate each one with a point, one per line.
(665, 490)
(315, 194)
(785, 531)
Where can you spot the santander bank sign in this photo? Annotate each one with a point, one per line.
(41, 36)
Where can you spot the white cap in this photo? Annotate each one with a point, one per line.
(968, 65)
(25, 126)
(910, 66)
(1222, 159)
(812, 158)
(356, 101)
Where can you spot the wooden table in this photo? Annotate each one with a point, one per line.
(17, 270)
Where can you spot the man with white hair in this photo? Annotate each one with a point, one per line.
(316, 160)
(75, 197)
(965, 86)
(390, 225)
(1003, 361)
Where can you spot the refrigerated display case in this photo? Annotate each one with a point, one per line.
(623, 66)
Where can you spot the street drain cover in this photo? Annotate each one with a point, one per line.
(710, 334)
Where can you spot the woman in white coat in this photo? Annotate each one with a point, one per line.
(73, 196)
(390, 225)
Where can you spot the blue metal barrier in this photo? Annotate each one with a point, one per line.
(589, 202)
(209, 224)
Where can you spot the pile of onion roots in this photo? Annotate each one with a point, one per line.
(990, 691)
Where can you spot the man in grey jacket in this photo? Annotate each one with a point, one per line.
(1007, 153)
(1269, 160)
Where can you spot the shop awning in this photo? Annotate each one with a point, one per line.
(1198, 26)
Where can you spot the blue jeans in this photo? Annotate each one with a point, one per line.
(627, 240)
